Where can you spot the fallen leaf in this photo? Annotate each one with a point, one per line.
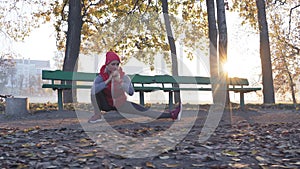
(236, 159)
(230, 153)
(198, 165)
(87, 155)
(164, 157)
(253, 152)
(150, 165)
(239, 165)
(251, 140)
(296, 163)
(170, 165)
(261, 159)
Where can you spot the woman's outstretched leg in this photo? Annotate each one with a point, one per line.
(133, 108)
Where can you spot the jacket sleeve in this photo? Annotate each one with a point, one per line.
(127, 85)
(98, 85)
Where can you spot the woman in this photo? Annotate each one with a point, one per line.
(108, 93)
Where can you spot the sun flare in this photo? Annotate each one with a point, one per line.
(235, 69)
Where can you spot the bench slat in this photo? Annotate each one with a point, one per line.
(244, 90)
(238, 81)
(146, 89)
(181, 79)
(65, 86)
(141, 79)
(64, 75)
(197, 80)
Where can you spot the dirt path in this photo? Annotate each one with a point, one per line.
(71, 119)
(258, 138)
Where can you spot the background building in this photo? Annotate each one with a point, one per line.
(25, 78)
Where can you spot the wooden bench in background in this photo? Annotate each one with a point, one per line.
(142, 84)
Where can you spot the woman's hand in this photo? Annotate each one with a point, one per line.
(116, 76)
(109, 78)
(113, 75)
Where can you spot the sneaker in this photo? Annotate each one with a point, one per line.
(95, 118)
(176, 113)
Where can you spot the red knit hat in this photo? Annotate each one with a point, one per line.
(111, 56)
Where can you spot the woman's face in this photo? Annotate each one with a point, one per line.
(113, 65)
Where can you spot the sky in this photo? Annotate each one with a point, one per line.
(40, 45)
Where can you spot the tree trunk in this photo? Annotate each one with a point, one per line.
(267, 77)
(291, 81)
(172, 46)
(223, 76)
(72, 45)
(213, 45)
(222, 27)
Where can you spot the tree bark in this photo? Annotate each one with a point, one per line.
(267, 77)
(172, 47)
(213, 46)
(222, 27)
(223, 75)
(72, 45)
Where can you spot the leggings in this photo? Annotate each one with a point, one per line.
(100, 103)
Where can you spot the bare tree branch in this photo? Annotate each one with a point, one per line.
(134, 7)
(293, 47)
(85, 8)
(290, 16)
(281, 2)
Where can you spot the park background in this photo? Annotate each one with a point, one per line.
(38, 51)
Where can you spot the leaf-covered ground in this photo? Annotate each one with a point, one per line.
(260, 137)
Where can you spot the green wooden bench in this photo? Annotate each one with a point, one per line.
(142, 84)
(58, 81)
(235, 84)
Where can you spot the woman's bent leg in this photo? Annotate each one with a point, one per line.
(99, 101)
(100, 104)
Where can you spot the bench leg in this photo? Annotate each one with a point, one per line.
(142, 102)
(59, 101)
(242, 101)
(170, 100)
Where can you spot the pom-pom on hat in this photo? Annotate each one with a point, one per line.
(111, 56)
